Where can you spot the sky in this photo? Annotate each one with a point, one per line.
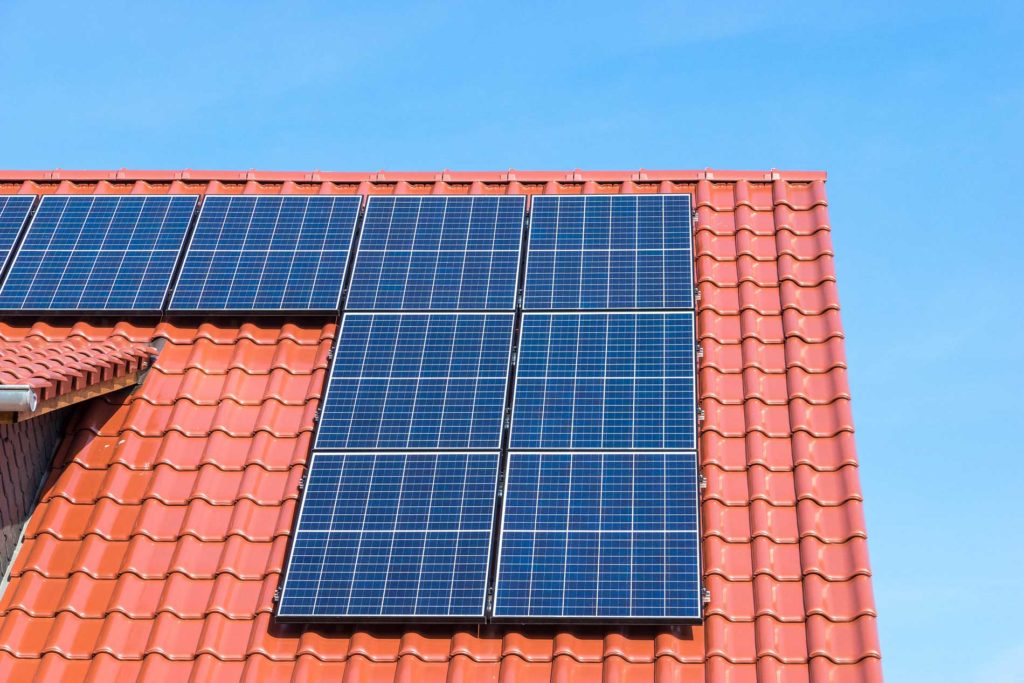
(914, 109)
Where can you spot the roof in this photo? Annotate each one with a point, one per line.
(65, 371)
(161, 534)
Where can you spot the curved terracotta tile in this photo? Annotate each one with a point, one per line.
(770, 388)
(730, 560)
(844, 642)
(209, 668)
(157, 667)
(761, 300)
(780, 561)
(95, 556)
(72, 637)
(750, 270)
(724, 357)
(725, 388)
(771, 452)
(772, 420)
(715, 239)
(712, 326)
(773, 487)
(784, 641)
(18, 669)
(34, 594)
(731, 524)
(765, 327)
(803, 247)
(224, 638)
(821, 420)
(55, 667)
(732, 600)
(136, 597)
(835, 561)
(719, 300)
(781, 600)
(827, 487)
(756, 246)
(199, 559)
(147, 558)
(812, 329)
(124, 638)
(734, 641)
(815, 358)
(868, 670)
(832, 524)
(771, 669)
(728, 488)
(817, 388)
(838, 600)
(174, 638)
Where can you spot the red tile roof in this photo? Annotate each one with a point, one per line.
(161, 534)
(54, 367)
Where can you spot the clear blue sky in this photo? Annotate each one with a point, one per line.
(916, 112)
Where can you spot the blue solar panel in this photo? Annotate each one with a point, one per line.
(267, 253)
(605, 381)
(610, 252)
(417, 380)
(13, 212)
(98, 253)
(438, 253)
(393, 535)
(599, 536)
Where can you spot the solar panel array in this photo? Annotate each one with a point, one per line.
(610, 252)
(393, 535)
(98, 253)
(595, 436)
(438, 253)
(575, 388)
(268, 253)
(599, 535)
(14, 210)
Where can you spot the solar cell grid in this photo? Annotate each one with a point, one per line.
(605, 381)
(393, 535)
(438, 253)
(610, 252)
(268, 253)
(98, 253)
(599, 535)
(14, 210)
(417, 381)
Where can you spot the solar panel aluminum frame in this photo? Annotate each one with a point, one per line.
(691, 619)
(519, 273)
(169, 300)
(696, 391)
(441, 619)
(526, 257)
(362, 449)
(8, 258)
(172, 276)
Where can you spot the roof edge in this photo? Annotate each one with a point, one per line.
(576, 175)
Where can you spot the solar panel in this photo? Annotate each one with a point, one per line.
(267, 253)
(393, 535)
(610, 252)
(98, 253)
(417, 380)
(605, 381)
(14, 211)
(438, 253)
(599, 536)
